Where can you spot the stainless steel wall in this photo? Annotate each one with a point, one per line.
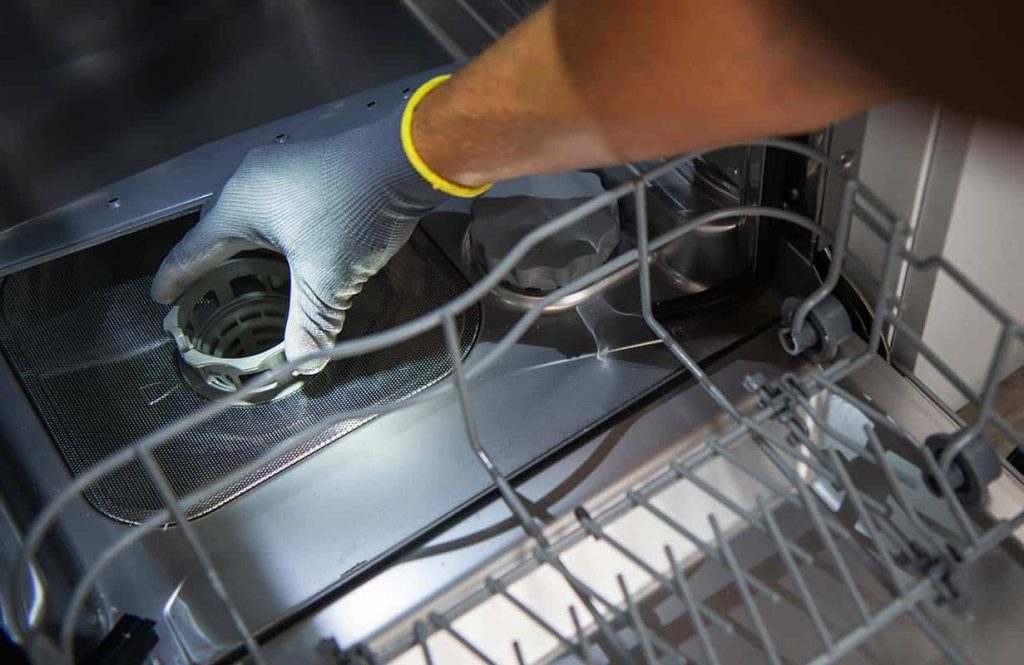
(90, 94)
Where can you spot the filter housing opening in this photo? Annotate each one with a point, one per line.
(229, 328)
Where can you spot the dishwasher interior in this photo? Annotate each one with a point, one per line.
(657, 425)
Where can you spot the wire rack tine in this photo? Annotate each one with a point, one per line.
(797, 430)
(774, 445)
(826, 538)
(741, 585)
(797, 392)
(776, 488)
(963, 521)
(875, 623)
(771, 445)
(581, 637)
(508, 494)
(745, 514)
(815, 382)
(499, 587)
(800, 443)
(783, 547)
(686, 593)
(770, 451)
(879, 543)
(936, 637)
(660, 579)
(877, 456)
(609, 633)
(935, 549)
(441, 622)
(586, 594)
(595, 530)
(834, 527)
(822, 462)
(705, 549)
(518, 651)
(637, 623)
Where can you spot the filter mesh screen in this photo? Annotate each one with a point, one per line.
(86, 340)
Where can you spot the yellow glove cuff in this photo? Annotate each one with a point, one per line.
(428, 174)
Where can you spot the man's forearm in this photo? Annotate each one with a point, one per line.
(586, 83)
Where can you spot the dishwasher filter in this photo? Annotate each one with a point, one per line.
(87, 343)
(229, 326)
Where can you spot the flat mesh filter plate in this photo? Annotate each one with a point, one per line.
(87, 343)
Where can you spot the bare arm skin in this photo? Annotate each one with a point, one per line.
(586, 83)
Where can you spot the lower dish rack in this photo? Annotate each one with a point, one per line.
(806, 521)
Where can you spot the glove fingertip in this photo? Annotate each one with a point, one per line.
(311, 367)
(300, 342)
(199, 252)
(166, 285)
(179, 270)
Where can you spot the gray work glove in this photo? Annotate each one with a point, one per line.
(337, 208)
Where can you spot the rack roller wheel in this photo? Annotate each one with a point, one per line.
(825, 328)
(970, 471)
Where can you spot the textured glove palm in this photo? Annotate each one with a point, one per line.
(337, 208)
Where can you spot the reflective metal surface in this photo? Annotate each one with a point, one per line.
(601, 466)
(91, 94)
(716, 253)
(510, 210)
(930, 635)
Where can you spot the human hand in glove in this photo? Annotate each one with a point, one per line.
(337, 208)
